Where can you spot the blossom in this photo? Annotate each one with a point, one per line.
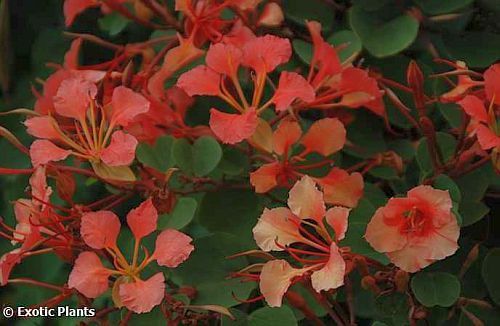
(284, 167)
(99, 230)
(94, 135)
(341, 188)
(416, 230)
(280, 229)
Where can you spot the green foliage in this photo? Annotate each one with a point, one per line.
(272, 317)
(158, 156)
(436, 289)
(200, 158)
(490, 272)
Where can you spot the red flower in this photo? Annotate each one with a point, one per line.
(416, 230)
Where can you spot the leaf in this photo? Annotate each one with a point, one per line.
(207, 153)
(436, 289)
(208, 269)
(392, 304)
(183, 155)
(233, 162)
(444, 182)
(300, 11)
(267, 316)
(158, 156)
(216, 308)
(436, 7)
(464, 47)
(383, 38)
(182, 215)
(241, 318)
(113, 23)
(446, 144)
(117, 173)
(490, 273)
(348, 43)
(472, 212)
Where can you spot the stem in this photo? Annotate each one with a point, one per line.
(36, 283)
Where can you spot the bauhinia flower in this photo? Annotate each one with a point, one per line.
(282, 168)
(416, 230)
(302, 231)
(99, 231)
(84, 127)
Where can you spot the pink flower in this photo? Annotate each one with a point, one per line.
(416, 230)
(143, 296)
(89, 276)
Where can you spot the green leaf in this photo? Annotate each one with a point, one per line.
(349, 42)
(490, 273)
(158, 156)
(304, 50)
(300, 11)
(436, 289)
(383, 38)
(182, 215)
(208, 269)
(392, 305)
(207, 153)
(113, 23)
(233, 162)
(446, 144)
(436, 7)
(465, 47)
(472, 212)
(183, 155)
(241, 318)
(444, 182)
(267, 316)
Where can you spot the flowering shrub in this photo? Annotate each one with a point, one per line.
(253, 162)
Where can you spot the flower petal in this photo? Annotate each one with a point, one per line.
(382, 237)
(286, 135)
(263, 54)
(275, 279)
(474, 107)
(337, 218)
(89, 276)
(340, 188)
(120, 151)
(331, 276)
(265, 177)
(275, 225)
(291, 87)
(492, 83)
(100, 229)
(142, 296)
(487, 138)
(143, 219)
(126, 105)
(172, 248)
(41, 127)
(7, 263)
(224, 58)
(233, 128)
(73, 97)
(326, 136)
(360, 87)
(306, 201)
(200, 80)
(44, 151)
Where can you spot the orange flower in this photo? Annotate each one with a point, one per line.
(416, 230)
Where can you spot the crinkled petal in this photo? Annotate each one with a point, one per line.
(172, 248)
(342, 188)
(73, 8)
(474, 107)
(121, 149)
(291, 87)
(73, 97)
(142, 296)
(492, 83)
(233, 128)
(331, 276)
(487, 138)
(326, 136)
(7, 263)
(265, 178)
(40, 191)
(143, 219)
(89, 276)
(44, 151)
(360, 88)
(126, 105)
(100, 229)
(286, 135)
(263, 54)
(383, 237)
(337, 218)
(275, 279)
(42, 127)
(224, 58)
(306, 201)
(275, 225)
(200, 80)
